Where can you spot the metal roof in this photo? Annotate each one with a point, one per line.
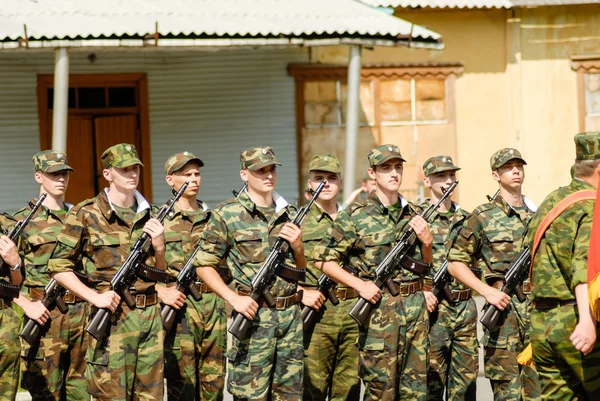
(471, 3)
(51, 23)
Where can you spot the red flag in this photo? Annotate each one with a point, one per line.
(593, 268)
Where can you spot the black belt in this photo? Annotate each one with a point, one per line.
(551, 303)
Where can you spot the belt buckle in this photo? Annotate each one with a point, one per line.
(140, 300)
(342, 294)
(404, 290)
(69, 297)
(280, 303)
(2, 304)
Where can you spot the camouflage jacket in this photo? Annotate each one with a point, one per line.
(39, 240)
(239, 232)
(445, 229)
(560, 263)
(6, 224)
(493, 233)
(182, 233)
(314, 228)
(93, 230)
(364, 234)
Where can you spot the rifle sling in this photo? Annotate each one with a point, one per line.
(8, 290)
(553, 215)
(414, 265)
(291, 273)
(152, 274)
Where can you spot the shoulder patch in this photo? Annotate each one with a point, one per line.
(355, 206)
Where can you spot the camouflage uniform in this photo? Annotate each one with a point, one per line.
(330, 354)
(268, 364)
(56, 364)
(393, 344)
(130, 360)
(494, 233)
(454, 357)
(195, 346)
(560, 264)
(9, 331)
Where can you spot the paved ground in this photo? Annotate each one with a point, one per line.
(484, 391)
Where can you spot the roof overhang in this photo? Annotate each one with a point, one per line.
(472, 4)
(206, 24)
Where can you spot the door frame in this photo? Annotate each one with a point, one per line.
(139, 80)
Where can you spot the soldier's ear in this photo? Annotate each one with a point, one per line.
(495, 175)
(371, 172)
(106, 175)
(169, 180)
(244, 175)
(427, 182)
(38, 177)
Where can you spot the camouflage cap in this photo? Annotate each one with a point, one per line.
(257, 158)
(121, 155)
(383, 153)
(438, 164)
(503, 156)
(587, 146)
(325, 163)
(178, 160)
(51, 161)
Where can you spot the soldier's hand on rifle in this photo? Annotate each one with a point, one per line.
(313, 299)
(430, 300)
(244, 305)
(171, 296)
(8, 251)
(156, 231)
(421, 228)
(107, 300)
(36, 311)
(292, 234)
(369, 291)
(496, 297)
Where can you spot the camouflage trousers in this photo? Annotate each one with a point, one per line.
(454, 360)
(55, 368)
(195, 350)
(394, 349)
(510, 381)
(129, 363)
(9, 351)
(331, 356)
(564, 372)
(268, 364)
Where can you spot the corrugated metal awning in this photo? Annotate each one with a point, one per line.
(471, 3)
(208, 23)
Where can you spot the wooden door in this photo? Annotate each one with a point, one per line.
(110, 131)
(80, 153)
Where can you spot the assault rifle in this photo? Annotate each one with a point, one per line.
(185, 282)
(513, 280)
(440, 283)
(493, 198)
(239, 191)
(17, 229)
(383, 274)
(262, 281)
(325, 286)
(53, 293)
(128, 273)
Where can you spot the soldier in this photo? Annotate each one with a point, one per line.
(393, 345)
(54, 368)
(195, 346)
(563, 331)
(494, 233)
(10, 278)
(360, 194)
(331, 357)
(453, 322)
(129, 361)
(268, 364)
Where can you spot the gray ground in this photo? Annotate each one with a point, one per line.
(484, 391)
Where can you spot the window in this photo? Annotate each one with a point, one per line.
(588, 91)
(410, 106)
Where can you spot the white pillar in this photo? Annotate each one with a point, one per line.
(60, 113)
(352, 118)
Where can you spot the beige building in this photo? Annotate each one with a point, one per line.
(522, 74)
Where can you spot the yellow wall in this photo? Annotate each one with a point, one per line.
(517, 89)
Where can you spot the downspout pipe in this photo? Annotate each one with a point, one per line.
(60, 114)
(352, 118)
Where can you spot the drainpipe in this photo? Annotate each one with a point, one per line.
(60, 113)
(352, 116)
